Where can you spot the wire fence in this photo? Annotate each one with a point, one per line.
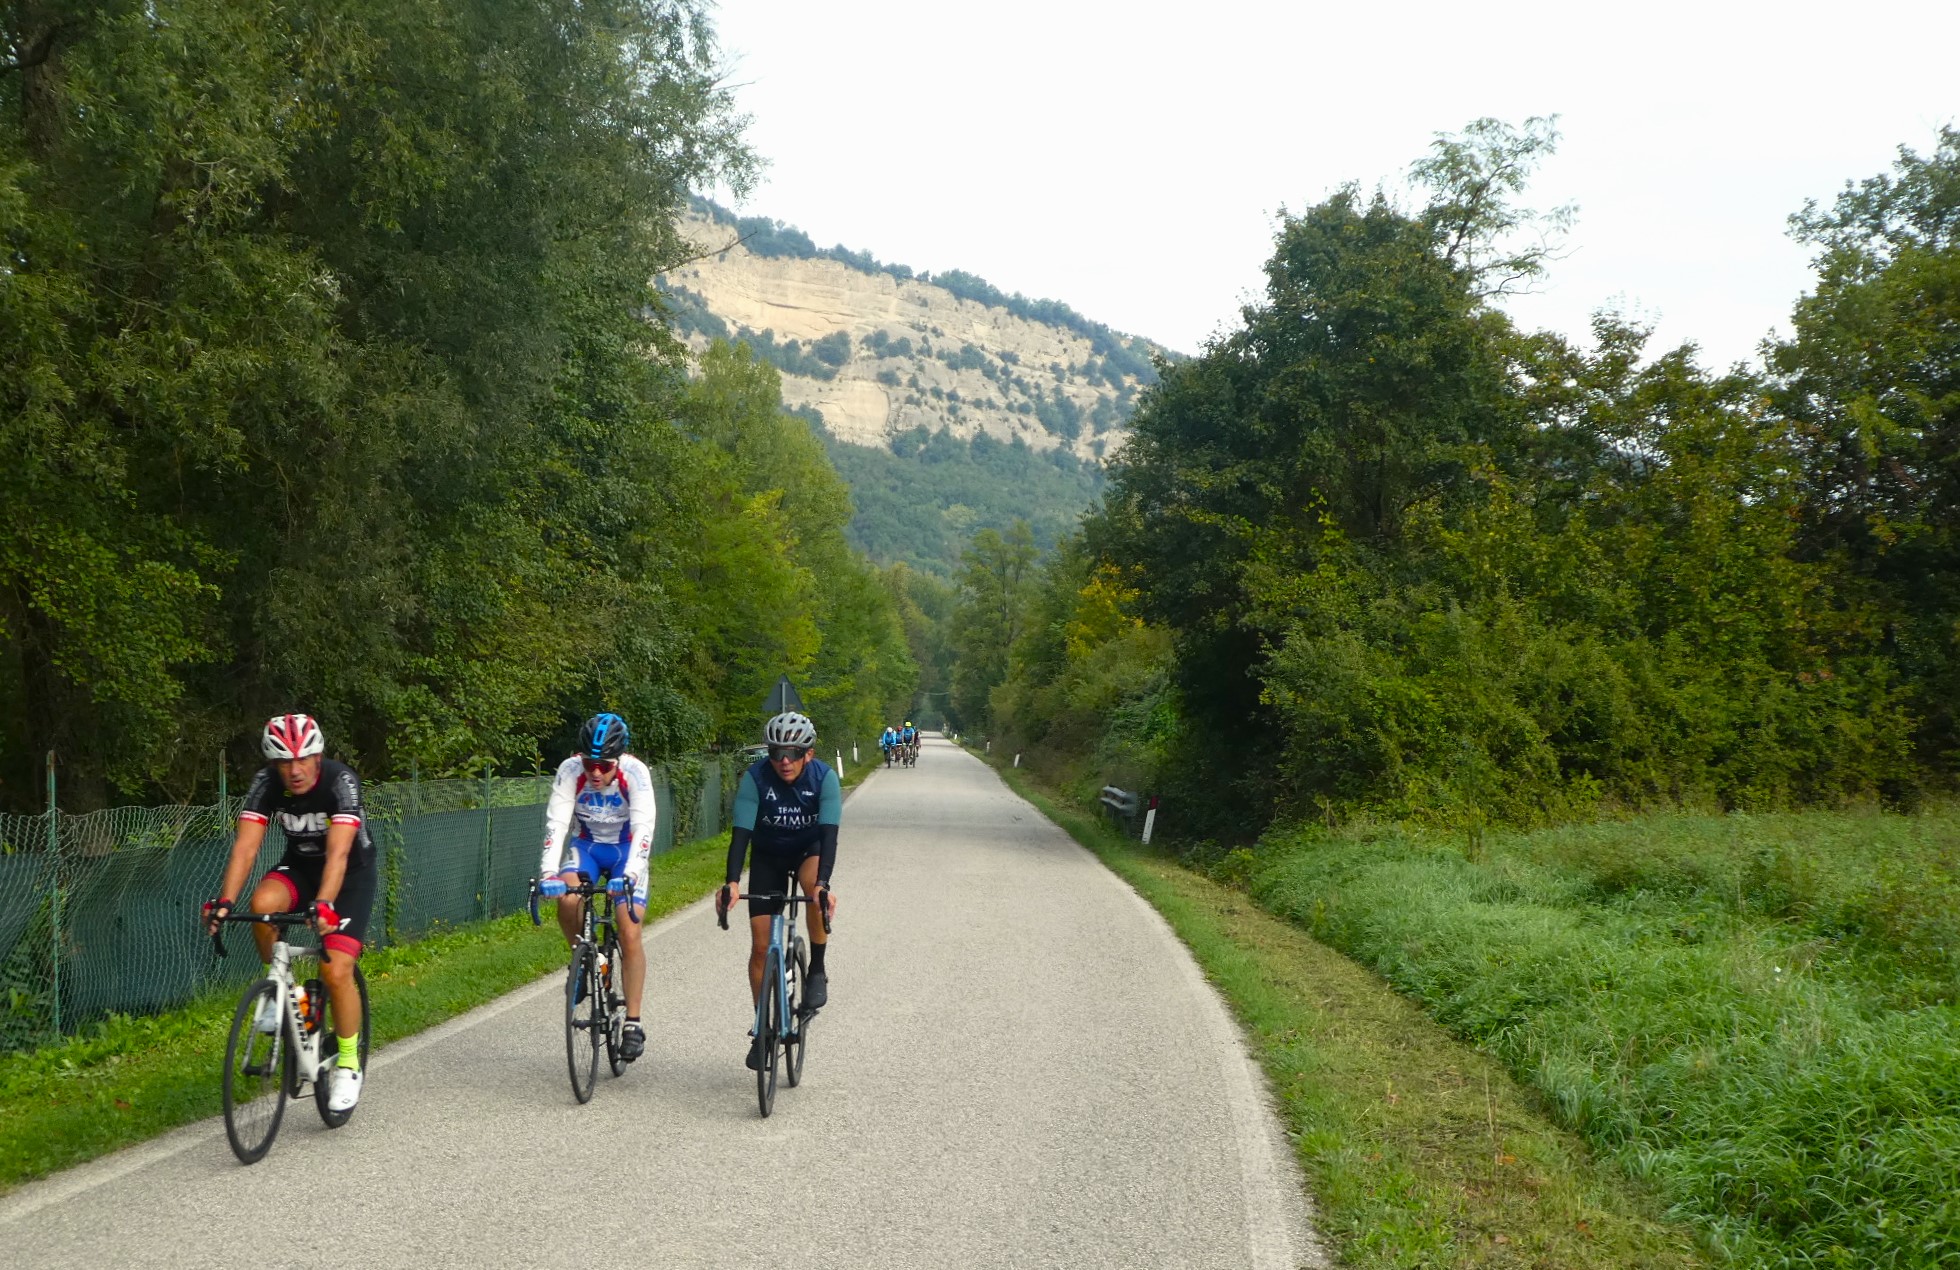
(98, 912)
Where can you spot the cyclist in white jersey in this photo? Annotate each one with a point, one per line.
(602, 809)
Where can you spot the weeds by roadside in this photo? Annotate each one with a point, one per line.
(1418, 1151)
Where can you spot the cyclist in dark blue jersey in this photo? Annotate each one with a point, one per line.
(788, 806)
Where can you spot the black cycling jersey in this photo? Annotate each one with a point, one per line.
(335, 799)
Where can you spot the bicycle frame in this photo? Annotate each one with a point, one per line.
(306, 1044)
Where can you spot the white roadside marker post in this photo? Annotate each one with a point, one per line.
(1149, 820)
(1017, 760)
(840, 765)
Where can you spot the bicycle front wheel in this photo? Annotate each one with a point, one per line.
(613, 1007)
(798, 1018)
(258, 1069)
(330, 1049)
(581, 1036)
(771, 1034)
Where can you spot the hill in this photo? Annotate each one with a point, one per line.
(948, 404)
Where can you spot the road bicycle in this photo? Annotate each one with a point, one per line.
(911, 754)
(781, 1019)
(595, 1012)
(263, 1069)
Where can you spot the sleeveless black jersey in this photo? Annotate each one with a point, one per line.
(335, 799)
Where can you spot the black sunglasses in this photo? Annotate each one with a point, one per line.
(787, 751)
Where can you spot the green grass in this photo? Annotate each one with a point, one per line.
(129, 1079)
(1418, 1150)
(1752, 1015)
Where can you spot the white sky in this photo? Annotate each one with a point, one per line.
(1128, 158)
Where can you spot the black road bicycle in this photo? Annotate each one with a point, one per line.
(263, 1069)
(781, 1019)
(595, 1012)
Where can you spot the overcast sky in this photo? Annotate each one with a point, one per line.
(1129, 159)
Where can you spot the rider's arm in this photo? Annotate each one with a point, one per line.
(558, 815)
(830, 814)
(244, 850)
(342, 826)
(643, 810)
(333, 871)
(253, 816)
(748, 805)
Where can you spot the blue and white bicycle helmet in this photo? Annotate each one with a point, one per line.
(603, 737)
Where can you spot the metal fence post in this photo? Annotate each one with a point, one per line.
(489, 840)
(224, 791)
(54, 891)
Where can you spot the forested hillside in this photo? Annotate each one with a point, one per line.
(329, 387)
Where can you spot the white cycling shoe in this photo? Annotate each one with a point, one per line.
(345, 1091)
(267, 1019)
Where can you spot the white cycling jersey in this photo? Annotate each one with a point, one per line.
(579, 809)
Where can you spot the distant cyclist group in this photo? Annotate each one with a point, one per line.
(598, 837)
(900, 745)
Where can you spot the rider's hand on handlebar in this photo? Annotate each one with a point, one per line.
(828, 899)
(215, 911)
(551, 888)
(725, 898)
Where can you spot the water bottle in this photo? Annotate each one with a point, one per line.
(303, 1008)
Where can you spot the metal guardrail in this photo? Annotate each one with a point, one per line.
(1120, 801)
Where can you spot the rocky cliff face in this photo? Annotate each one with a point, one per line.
(880, 354)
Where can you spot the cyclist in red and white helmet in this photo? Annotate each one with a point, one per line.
(328, 866)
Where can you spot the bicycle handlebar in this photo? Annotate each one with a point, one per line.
(823, 919)
(281, 920)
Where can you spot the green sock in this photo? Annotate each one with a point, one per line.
(350, 1053)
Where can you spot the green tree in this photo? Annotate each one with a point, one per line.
(1871, 386)
(995, 581)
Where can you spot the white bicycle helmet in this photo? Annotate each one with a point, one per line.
(291, 736)
(790, 728)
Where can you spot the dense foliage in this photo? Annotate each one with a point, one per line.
(330, 386)
(1397, 557)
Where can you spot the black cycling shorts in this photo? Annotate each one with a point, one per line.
(772, 871)
(301, 875)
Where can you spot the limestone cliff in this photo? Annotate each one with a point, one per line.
(879, 352)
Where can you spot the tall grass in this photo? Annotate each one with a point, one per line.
(1756, 1015)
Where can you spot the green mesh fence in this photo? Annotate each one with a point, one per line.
(98, 912)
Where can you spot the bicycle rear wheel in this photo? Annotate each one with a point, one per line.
(771, 1034)
(258, 1069)
(798, 1018)
(330, 1049)
(581, 1038)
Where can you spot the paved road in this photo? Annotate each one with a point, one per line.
(1020, 1066)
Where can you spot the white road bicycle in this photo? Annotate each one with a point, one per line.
(263, 1069)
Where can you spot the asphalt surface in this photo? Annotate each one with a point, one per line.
(1019, 1066)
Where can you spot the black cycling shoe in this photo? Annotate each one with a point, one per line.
(817, 991)
(632, 1041)
(755, 1055)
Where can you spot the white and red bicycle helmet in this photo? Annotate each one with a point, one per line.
(291, 736)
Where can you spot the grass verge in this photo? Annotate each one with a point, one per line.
(1753, 1015)
(1418, 1150)
(130, 1079)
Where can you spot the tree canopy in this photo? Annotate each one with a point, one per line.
(330, 387)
